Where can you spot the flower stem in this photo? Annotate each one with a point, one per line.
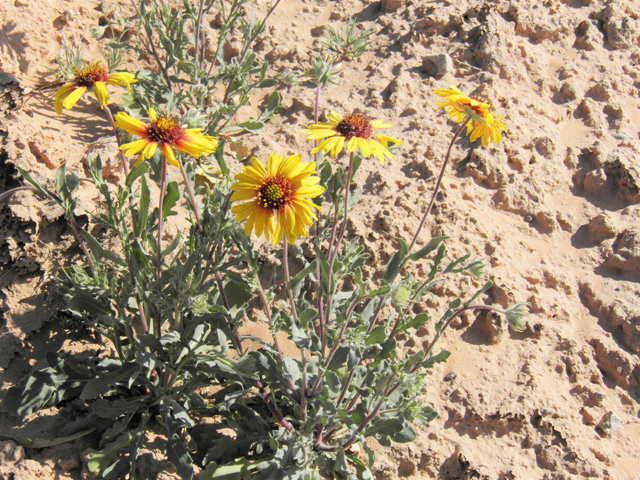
(236, 337)
(82, 243)
(276, 344)
(333, 253)
(273, 409)
(125, 162)
(194, 205)
(147, 29)
(246, 48)
(125, 166)
(332, 352)
(437, 187)
(318, 270)
(343, 228)
(197, 36)
(287, 278)
(163, 189)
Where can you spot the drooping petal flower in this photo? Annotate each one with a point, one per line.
(355, 130)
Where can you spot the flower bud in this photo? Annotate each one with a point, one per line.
(516, 314)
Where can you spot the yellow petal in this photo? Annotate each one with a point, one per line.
(149, 150)
(100, 90)
(130, 149)
(73, 97)
(272, 164)
(130, 125)
(121, 79)
(169, 155)
(61, 95)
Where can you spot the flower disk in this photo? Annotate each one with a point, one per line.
(165, 130)
(481, 123)
(275, 193)
(355, 130)
(88, 75)
(277, 197)
(355, 125)
(166, 134)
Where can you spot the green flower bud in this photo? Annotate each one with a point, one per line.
(322, 71)
(199, 91)
(246, 366)
(401, 295)
(194, 119)
(478, 268)
(200, 305)
(516, 314)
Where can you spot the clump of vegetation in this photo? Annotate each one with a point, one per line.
(172, 305)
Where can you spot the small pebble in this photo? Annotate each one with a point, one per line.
(528, 219)
(620, 136)
(600, 396)
(21, 3)
(451, 377)
(609, 423)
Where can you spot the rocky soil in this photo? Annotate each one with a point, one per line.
(555, 209)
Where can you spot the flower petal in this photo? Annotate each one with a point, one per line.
(73, 97)
(131, 125)
(130, 149)
(62, 94)
(122, 79)
(169, 155)
(101, 93)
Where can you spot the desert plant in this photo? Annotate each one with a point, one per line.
(172, 303)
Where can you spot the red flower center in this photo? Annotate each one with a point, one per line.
(88, 75)
(275, 193)
(481, 109)
(355, 125)
(165, 130)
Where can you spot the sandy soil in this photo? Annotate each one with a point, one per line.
(554, 208)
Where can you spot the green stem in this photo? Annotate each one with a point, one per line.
(236, 337)
(276, 344)
(194, 205)
(163, 189)
(82, 243)
(287, 278)
(125, 162)
(246, 47)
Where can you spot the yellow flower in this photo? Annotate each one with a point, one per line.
(164, 133)
(91, 77)
(480, 122)
(356, 130)
(278, 193)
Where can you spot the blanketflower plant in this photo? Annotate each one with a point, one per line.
(278, 197)
(476, 115)
(92, 77)
(176, 324)
(164, 133)
(355, 130)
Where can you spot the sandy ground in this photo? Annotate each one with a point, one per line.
(554, 208)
